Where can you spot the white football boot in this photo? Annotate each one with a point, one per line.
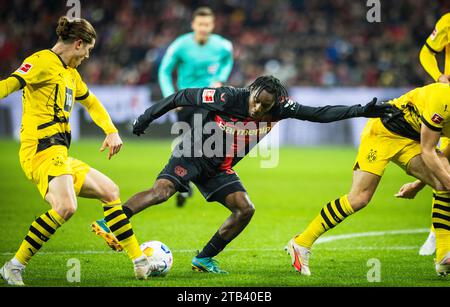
(299, 257)
(443, 267)
(12, 274)
(429, 247)
(143, 267)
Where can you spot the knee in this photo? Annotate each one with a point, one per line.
(161, 191)
(68, 211)
(161, 194)
(64, 205)
(246, 212)
(110, 192)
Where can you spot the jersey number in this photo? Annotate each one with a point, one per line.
(69, 100)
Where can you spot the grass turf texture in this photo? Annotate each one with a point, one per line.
(286, 199)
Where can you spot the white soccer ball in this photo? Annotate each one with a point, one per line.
(157, 251)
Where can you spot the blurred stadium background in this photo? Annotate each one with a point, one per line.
(325, 51)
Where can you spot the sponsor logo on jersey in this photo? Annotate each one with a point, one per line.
(212, 69)
(437, 119)
(25, 68)
(208, 96)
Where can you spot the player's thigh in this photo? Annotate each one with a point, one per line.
(418, 169)
(377, 148)
(61, 195)
(180, 171)
(227, 189)
(99, 186)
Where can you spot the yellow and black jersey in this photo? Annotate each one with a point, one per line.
(50, 88)
(440, 40)
(429, 105)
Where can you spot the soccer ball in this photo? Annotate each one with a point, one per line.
(158, 251)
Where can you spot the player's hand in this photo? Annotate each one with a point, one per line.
(444, 78)
(409, 190)
(113, 142)
(377, 109)
(139, 126)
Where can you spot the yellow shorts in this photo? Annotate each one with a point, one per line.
(445, 141)
(54, 162)
(379, 146)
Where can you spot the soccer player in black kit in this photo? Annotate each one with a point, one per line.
(259, 106)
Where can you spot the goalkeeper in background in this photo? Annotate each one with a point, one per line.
(437, 42)
(201, 59)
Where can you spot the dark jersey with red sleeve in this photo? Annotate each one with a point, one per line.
(228, 133)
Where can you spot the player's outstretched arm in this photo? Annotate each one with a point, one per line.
(183, 98)
(9, 86)
(333, 113)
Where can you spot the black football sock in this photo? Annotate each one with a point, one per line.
(127, 212)
(213, 247)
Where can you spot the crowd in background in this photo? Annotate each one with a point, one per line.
(307, 43)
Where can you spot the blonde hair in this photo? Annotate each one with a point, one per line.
(71, 30)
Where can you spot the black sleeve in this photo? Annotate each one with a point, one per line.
(325, 114)
(183, 98)
(207, 98)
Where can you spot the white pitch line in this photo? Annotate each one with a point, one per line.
(371, 234)
(271, 249)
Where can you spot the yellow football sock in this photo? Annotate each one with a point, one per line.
(441, 223)
(40, 232)
(330, 215)
(120, 226)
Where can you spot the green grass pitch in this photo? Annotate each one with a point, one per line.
(286, 198)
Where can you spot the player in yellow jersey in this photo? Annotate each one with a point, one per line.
(51, 85)
(409, 139)
(437, 42)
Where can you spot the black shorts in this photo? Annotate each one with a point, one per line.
(214, 185)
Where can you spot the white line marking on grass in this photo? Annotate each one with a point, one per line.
(371, 234)
(319, 241)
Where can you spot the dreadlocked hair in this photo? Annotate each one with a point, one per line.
(271, 85)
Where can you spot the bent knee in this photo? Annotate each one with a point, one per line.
(64, 205)
(246, 212)
(110, 193)
(161, 194)
(162, 190)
